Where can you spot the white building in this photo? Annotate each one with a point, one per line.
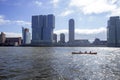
(26, 36)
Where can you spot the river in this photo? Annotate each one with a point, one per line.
(57, 63)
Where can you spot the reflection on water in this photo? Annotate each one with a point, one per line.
(57, 63)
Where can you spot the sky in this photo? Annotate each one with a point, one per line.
(90, 16)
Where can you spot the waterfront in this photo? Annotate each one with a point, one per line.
(57, 63)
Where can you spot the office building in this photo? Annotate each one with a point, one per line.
(13, 41)
(113, 31)
(9, 41)
(99, 42)
(2, 38)
(42, 29)
(80, 42)
(26, 36)
(71, 30)
(55, 38)
(62, 38)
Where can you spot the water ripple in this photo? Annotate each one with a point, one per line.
(57, 63)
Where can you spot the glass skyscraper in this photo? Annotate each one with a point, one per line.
(71, 30)
(42, 29)
(113, 31)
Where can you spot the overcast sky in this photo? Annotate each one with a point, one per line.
(90, 15)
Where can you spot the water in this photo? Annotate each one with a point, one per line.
(57, 63)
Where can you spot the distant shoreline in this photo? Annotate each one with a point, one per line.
(53, 46)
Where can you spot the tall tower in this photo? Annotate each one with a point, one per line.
(42, 29)
(71, 30)
(26, 36)
(113, 31)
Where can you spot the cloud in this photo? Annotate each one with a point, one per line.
(12, 34)
(21, 22)
(90, 31)
(83, 31)
(94, 6)
(1, 16)
(90, 34)
(38, 3)
(61, 31)
(4, 21)
(66, 13)
(115, 12)
(55, 2)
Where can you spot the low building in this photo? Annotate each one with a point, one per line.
(80, 42)
(13, 41)
(96, 41)
(62, 38)
(99, 42)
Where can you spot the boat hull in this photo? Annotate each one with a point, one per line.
(84, 53)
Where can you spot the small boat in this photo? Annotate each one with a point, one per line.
(84, 52)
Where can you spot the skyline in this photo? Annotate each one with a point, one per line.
(90, 21)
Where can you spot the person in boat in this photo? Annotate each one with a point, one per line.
(85, 51)
(80, 52)
(90, 52)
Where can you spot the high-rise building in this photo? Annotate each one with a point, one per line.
(42, 29)
(71, 30)
(113, 31)
(26, 36)
(62, 38)
(55, 38)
